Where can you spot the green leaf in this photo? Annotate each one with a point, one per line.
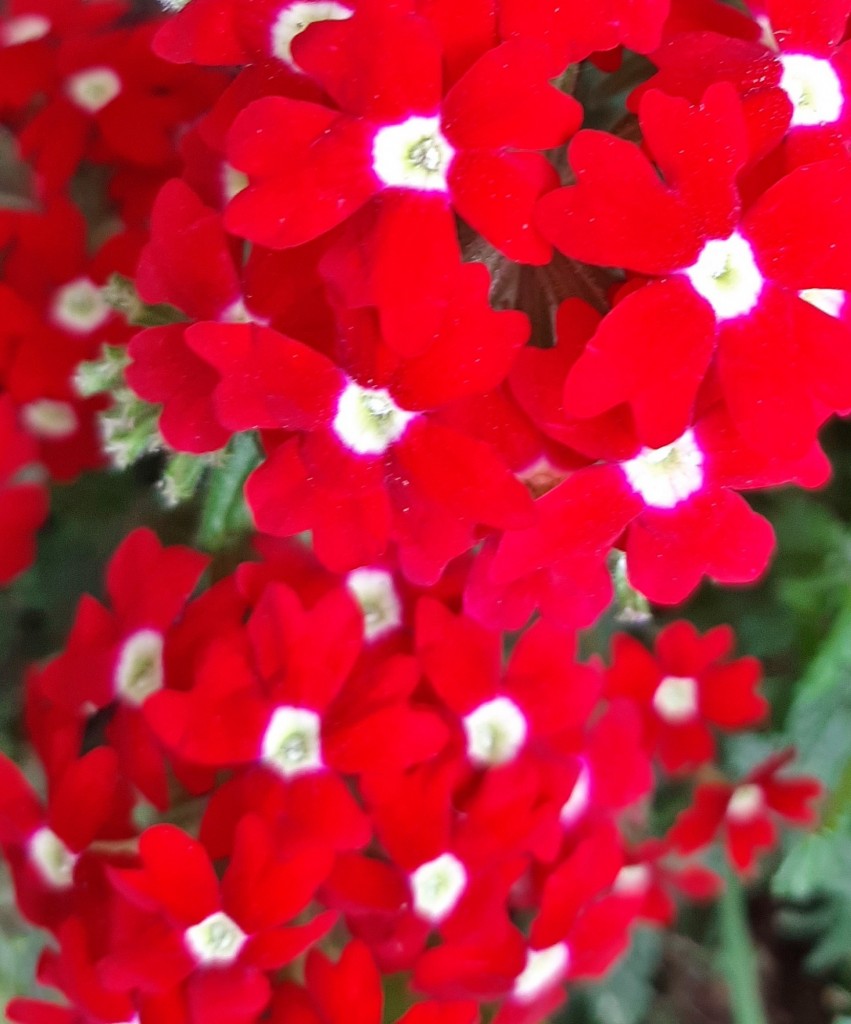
(814, 864)
(826, 925)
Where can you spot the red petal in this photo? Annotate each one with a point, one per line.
(462, 475)
(383, 66)
(714, 534)
(696, 827)
(164, 370)
(766, 377)
(496, 195)
(312, 168)
(460, 658)
(619, 213)
(816, 31)
(800, 228)
(472, 351)
(631, 359)
(149, 584)
(353, 982)
(268, 380)
(84, 798)
(411, 293)
(187, 262)
(176, 875)
(700, 150)
(505, 101)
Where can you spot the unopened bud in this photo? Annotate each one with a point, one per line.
(181, 477)
(101, 375)
(129, 429)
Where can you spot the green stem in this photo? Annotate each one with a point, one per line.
(738, 957)
(223, 499)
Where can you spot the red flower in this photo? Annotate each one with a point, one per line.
(72, 970)
(116, 657)
(30, 31)
(45, 846)
(278, 700)
(677, 509)
(392, 128)
(450, 870)
(367, 457)
(190, 263)
(579, 931)
(542, 697)
(653, 875)
(55, 317)
(181, 923)
(690, 684)
(744, 813)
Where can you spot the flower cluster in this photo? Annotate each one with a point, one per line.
(493, 362)
(372, 782)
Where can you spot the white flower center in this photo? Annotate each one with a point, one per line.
(80, 307)
(726, 275)
(813, 87)
(24, 29)
(216, 940)
(173, 5)
(412, 154)
(544, 969)
(437, 886)
(666, 476)
(828, 300)
(50, 418)
(140, 667)
(368, 420)
(91, 90)
(295, 18)
(496, 730)
(292, 743)
(52, 858)
(675, 699)
(374, 591)
(576, 804)
(632, 879)
(746, 802)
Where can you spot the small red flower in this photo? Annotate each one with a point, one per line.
(744, 813)
(115, 657)
(46, 846)
(181, 924)
(688, 685)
